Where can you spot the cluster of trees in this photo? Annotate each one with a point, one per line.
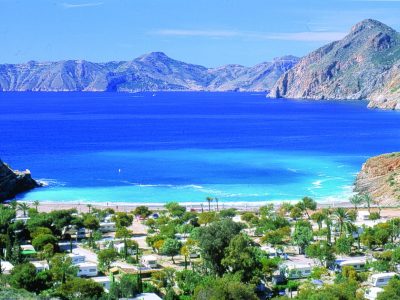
(231, 260)
(44, 231)
(212, 255)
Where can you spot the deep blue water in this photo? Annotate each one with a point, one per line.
(187, 146)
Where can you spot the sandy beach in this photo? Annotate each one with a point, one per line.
(198, 206)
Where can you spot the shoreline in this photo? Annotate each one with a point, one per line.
(47, 206)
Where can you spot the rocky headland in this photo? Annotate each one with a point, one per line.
(380, 177)
(14, 182)
(364, 65)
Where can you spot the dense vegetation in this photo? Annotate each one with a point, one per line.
(212, 254)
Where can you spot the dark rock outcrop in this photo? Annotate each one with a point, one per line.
(380, 177)
(363, 65)
(14, 182)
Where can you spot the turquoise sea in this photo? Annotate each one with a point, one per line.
(159, 147)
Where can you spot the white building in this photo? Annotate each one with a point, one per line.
(149, 261)
(27, 247)
(120, 248)
(147, 296)
(87, 269)
(362, 215)
(21, 218)
(295, 271)
(40, 265)
(107, 227)
(108, 219)
(381, 279)
(76, 258)
(372, 293)
(104, 281)
(6, 267)
(357, 263)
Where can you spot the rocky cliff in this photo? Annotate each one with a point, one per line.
(151, 72)
(363, 65)
(14, 182)
(380, 177)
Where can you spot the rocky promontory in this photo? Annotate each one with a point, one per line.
(14, 182)
(364, 65)
(380, 178)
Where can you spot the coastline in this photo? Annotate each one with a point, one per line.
(126, 207)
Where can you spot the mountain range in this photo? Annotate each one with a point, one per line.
(363, 65)
(151, 72)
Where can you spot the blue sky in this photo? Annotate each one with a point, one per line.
(207, 32)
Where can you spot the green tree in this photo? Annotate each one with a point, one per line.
(213, 240)
(175, 209)
(92, 223)
(129, 286)
(36, 204)
(142, 211)
(79, 288)
(318, 217)
(321, 251)
(328, 223)
(24, 207)
(209, 200)
(106, 257)
(391, 291)
(302, 235)
(171, 248)
(227, 213)
(343, 244)
(207, 217)
(356, 200)
(241, 256)
(124, 233)
(227, 287)
(24, 276)
(62, 269)
(43, 239)
(343, 219)
(187, 280)
(307, 204)
(277, 236)
(122, 219)
(367, 199)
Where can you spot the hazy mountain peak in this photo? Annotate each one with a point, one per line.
(153, 71)
(369, 24)
(154, 56)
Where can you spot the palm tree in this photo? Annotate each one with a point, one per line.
(13, 204)
(356, 200)
(328, 222)
(209, 200)
(343, 218)
(36, 204)
(24, 207)
(89, 206)
(216, 200)
(367, 199)
(318, 217)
